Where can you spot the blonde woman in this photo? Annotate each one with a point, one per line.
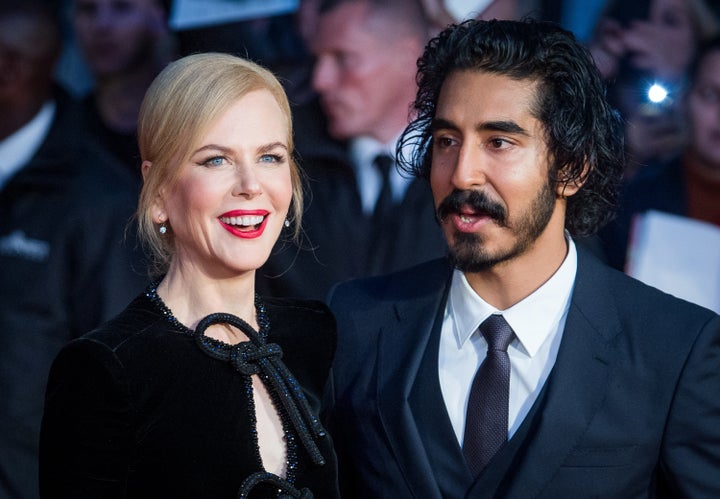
(200, 388)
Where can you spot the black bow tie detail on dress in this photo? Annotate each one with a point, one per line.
(246, 356)
(258, 357)
(288, 491)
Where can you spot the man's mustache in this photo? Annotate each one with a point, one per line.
(478, 201)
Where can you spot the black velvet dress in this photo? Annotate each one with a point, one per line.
(137, 409)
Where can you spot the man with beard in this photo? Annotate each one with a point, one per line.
(520, 366)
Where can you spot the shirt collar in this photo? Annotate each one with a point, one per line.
(533, 319)
(17, 149)
(364, 149)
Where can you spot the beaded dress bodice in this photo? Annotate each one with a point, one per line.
(143, 407)
(259, 357)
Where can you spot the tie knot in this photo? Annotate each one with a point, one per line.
(383, 162)
(497, 332)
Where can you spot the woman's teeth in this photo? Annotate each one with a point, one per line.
(244, 221)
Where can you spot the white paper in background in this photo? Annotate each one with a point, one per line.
(190, 14)
(678, 255)
(466, 9)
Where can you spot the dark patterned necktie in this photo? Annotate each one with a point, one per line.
(384, 203)
(486, 424)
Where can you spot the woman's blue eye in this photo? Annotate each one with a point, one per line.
(270, 158)
(215, 161)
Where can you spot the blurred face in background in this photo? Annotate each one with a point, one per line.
(673, 27)
(364, 71)
(29, 47)
(703, 106)
(116, 36)
(661, 41)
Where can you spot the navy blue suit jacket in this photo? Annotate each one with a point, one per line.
(631, 408)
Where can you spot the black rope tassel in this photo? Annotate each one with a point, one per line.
(255, 357)
(285, 487)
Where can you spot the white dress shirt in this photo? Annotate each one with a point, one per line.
(17, 149)
(363, 151)
(538, 322)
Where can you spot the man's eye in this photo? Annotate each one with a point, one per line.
(498, 143)
(709, 95)
(345, 60)
(444, 141)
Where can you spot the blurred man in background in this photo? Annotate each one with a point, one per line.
(65, 264)
(124, 45)
(363, 217)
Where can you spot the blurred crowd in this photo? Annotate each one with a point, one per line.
(72, 77)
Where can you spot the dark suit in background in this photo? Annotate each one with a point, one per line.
(662, 188)
(66, 266)
(365, 53)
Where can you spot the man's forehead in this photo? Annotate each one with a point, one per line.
(495, 96)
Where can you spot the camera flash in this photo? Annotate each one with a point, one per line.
(657, 93)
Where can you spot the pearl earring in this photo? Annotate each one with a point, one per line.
(286, 223)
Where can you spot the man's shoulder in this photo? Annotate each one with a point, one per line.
(71, 165)
(633, 299)
(307, 316)
(105, 172)
(404, 284)
(660, 187)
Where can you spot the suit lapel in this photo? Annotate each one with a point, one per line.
(403, 341)
(575, 389)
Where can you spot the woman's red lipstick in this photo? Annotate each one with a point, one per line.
(246, 224)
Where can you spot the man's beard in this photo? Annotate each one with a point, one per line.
(468, 252)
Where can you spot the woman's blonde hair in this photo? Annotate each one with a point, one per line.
(183, 101)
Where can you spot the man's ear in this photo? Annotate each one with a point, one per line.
(567, 184)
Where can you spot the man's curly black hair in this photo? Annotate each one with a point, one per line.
(583, 133)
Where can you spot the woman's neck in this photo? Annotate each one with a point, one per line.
(191, 296)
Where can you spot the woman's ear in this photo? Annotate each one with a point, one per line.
(158, 205)
(145, 168)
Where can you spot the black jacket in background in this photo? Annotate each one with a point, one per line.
(339, 241)
(64, 268)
